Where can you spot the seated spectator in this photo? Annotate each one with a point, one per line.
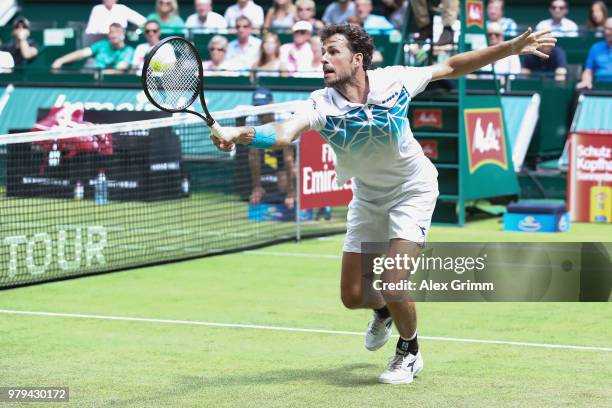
(269, 63)
(598, 14)
(21, 47)
(167, 15)
(204, 20)
(377, 57)
(306, 11)
(495, 14)
(423, 18)
(560, 26)
(152, 35)
(280, 163)
(246, 8)
(111, 55)
(395, 11)
(316, 67)
(245, 48)
(509, 65)
(555, 63)
(103, 15)
(281, 16)
(373, 24)
(297, 56)
(599, 61)
(219, 64)
(339, 12)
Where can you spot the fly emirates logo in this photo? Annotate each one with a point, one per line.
(323, 178)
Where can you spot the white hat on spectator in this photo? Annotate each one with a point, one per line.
(302, 26)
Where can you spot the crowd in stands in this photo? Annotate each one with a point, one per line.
(257, 50)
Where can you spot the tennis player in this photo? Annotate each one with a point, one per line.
(363, 115)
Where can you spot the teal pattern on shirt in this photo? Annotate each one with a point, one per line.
(107, 57)
(355, 132)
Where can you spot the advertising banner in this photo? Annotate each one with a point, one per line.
(317, 174)
(589, 177)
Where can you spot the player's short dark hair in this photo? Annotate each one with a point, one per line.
(358, 40)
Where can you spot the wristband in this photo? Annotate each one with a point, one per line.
(265, 137)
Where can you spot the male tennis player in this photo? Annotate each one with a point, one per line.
(363, 115)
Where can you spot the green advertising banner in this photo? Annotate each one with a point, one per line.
(486, 155)
(23, 103)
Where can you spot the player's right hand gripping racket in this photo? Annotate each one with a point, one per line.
(172, 78)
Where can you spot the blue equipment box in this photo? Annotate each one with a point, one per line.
(276, 212)
(536, 217)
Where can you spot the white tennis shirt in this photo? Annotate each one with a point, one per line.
(373, 141)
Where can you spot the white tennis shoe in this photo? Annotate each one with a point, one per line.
(402, 369)
(379, 331)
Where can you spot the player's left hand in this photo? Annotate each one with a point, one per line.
(528, 43)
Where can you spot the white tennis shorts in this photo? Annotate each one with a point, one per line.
(405, 216)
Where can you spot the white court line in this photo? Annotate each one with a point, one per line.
(297, 329)
(294, 254)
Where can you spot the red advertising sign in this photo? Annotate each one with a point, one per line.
(317, 175)
(430, 148)
(475, 13)
(589, 177)
(485, 138)
(427, 118)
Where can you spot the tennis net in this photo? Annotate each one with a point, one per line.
(99, 198)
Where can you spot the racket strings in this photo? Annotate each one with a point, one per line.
(172, 76)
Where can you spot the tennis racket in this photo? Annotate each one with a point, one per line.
(172, 78)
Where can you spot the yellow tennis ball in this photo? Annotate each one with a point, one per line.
(159, 66)
(163, 59)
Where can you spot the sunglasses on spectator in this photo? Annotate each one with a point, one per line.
(152, 30)
(494, 34)
(243, 26)
(211, 49)
(304, 8)
(168, 3)
(557, 7)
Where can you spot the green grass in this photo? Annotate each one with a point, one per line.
(109, 363)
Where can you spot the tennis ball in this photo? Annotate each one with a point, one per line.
(163, 59)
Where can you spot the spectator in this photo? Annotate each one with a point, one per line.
(246, 8)
(21, 48)
(167, 15)
(377, 57)
(560, 26)
(509, 65)
(599, 61)
(598, 14)
(306, 11)
(219, 64)
(339, 12)
(103, 15)
(269, 63)
(372, 23)
(281, 163)
(316, 67)
(395, 11)
(297, 56)
(152, 34)
(450, 10)
(281, 16)
(495, 14)
(245, 48)
(111, 55)
(555, 63)
(204, 20)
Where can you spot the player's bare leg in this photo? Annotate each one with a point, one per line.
(407, 361)
(357, 292)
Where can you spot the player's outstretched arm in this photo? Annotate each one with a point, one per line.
(467, 62)
(270, 136)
